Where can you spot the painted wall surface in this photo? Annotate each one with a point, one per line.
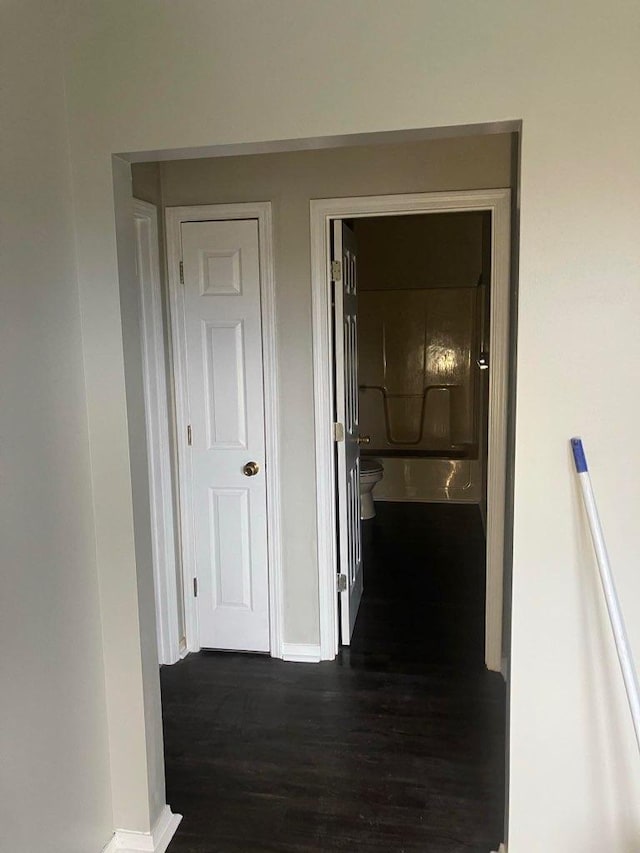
(141, 660)
(147, 76)
(290, 180)
(435, 250)
(55, 792)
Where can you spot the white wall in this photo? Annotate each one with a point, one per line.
(149, 76)
(54, 772)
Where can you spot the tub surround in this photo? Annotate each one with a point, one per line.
(417, 369)
(430, 480)
(422, 308)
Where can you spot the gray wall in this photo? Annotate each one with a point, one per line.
(434, 250)
(55, 793)
(289, 181)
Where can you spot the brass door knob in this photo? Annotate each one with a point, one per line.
(364, 439)
(250, 469)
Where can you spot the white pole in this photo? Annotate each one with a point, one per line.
(613, 605)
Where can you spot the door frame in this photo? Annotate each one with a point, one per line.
(174, 217)
(154, 378)
(322, 213)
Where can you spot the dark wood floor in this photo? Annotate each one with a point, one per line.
(396, 746)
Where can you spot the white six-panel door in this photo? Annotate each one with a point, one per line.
(346, 383)
(221, 271)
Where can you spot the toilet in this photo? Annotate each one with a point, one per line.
(371, 472)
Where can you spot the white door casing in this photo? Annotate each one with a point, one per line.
(347, 447)
(322, 213)
(154, 378)
(223, 342)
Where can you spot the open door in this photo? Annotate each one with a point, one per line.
(347, 430)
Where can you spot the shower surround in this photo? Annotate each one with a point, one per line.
(420, 395)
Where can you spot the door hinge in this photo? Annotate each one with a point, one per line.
(338, 432)
(195, 587)
(342, 583)
(181, 272)
(189, 436)
(336, 270)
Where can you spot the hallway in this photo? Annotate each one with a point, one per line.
(398, 745)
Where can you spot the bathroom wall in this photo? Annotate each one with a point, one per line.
(429, 250)
(420, 314)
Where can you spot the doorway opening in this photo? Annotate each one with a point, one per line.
(434, 394)
(411, 340)
(418, 306)
(278, 701)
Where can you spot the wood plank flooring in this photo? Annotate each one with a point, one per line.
(398, 745)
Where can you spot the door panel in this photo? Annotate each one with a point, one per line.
(226, 412)
(346, 383)
(226, 415)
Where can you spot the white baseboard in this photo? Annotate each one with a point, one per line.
(501, 849)
(156, 841)
(301, 652)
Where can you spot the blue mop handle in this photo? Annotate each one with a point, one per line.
(578, 456)
(616, 618)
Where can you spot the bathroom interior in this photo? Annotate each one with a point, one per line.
(423, 355)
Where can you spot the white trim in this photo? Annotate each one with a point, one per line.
(322, 211)
(156, 841)
(157, 427)
(272, 426)
(323, 411)
(301, 652)
(174, 217)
